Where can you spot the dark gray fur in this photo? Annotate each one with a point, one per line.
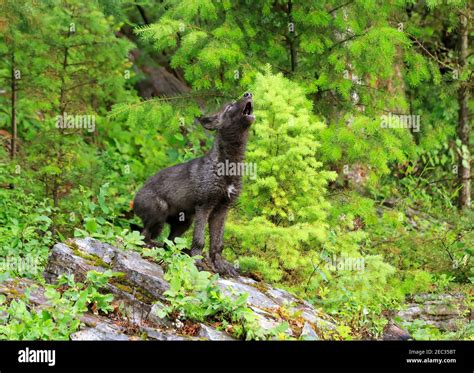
(195, 191)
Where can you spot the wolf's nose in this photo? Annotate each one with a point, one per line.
(247, 94)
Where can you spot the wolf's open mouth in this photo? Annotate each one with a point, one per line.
(248, 109)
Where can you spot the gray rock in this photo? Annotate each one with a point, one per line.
(94, 247)
(212, 334)
(141, 273)
(143, 284)
(63, 261)
(89, 254)
(136, 310)
(262, 299)
(265, 319)
(138, 271)
(15, 288)
(255, 297)
(154, 318)
(393, 332)
(308, 333)
(443, 311)
(158, 335)
(101, 332)
(412, 312)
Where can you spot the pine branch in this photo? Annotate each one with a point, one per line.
(128, 107)
(424, 49)
(340, 6)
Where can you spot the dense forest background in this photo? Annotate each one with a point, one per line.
(362, 141)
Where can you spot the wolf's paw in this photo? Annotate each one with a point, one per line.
(154, 244)
(223, 267)
(204, 265)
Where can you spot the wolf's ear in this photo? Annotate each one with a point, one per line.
(210, 123)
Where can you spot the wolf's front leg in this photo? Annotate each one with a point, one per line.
(200, 221)
(216, 231)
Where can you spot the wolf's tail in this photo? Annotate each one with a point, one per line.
(133, 226)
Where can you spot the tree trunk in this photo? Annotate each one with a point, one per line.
(13, 107)
(463, 130)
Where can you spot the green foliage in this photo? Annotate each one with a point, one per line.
(421, 330)
(332, 185)
(25, 230)
(100, 221)
(66, 303)
(194, 295)
(283, 208)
